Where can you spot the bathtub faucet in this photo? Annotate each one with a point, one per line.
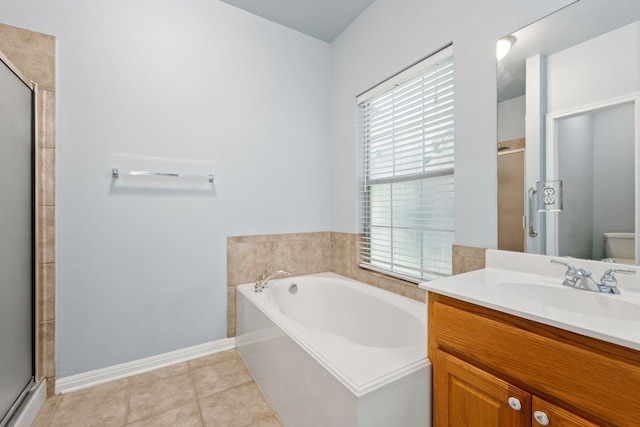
(261, 283)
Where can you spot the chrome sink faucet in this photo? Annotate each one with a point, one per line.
(262, 282)
(581, 279)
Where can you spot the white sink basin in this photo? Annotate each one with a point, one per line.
(574, 300)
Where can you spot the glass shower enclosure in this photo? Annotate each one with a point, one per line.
(16, 240)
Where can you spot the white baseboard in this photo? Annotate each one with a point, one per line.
(124, 370)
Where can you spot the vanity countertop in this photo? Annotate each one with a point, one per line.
(530, 287)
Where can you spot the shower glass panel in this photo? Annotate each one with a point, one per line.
(16, 240)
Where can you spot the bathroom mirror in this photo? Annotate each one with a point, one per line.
(568, 110)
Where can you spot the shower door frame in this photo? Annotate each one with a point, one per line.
(30, 386)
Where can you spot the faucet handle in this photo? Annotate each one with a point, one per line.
(610, 280)
(260, 282)
(624, 271)
(571, 270)
(576, 277)
(609, 283)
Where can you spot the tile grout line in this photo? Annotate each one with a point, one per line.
(172, 407)
(253, 380)
(128, 403)
(53, 412)
(195, 392)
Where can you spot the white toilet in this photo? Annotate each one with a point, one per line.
(620, 247)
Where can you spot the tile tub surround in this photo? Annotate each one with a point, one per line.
(302, 253)
(34, 55)
(345, 260)
(467, 258)
(210, 391)
(250, 256)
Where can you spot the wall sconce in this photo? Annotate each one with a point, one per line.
(504, 45)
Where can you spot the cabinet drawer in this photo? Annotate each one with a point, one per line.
(590, 376)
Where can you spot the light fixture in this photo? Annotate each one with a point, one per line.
(503, 46)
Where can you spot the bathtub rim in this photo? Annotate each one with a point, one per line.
(247, 289)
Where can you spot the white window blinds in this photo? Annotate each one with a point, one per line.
(408, 181)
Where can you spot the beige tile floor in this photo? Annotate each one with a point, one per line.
(216, 390)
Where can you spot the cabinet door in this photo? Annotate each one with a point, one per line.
(464, 395)
(548, 414)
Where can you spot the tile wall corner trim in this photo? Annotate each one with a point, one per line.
(135, 367)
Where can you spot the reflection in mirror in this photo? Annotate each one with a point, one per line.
(595, 154)
(576, 74)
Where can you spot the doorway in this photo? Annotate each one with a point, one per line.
(511, 234)
(593, 149)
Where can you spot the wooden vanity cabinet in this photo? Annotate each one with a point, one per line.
(495, 369)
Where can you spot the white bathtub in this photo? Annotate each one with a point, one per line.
(337, 352)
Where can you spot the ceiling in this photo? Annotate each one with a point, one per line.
(322, 19)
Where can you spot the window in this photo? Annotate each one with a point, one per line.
(408, 181)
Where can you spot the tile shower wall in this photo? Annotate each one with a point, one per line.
(303, 253)
(34, 55)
